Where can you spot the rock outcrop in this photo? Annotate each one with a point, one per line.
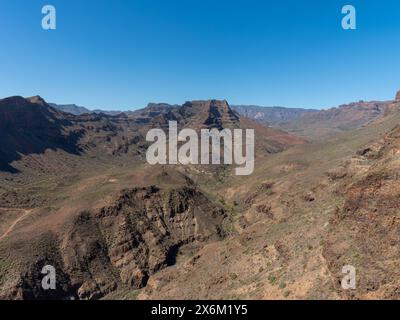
(122, 244)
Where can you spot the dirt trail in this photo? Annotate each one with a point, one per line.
(26, 212)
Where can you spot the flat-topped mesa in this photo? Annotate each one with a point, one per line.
(207, 104)
(211, 113)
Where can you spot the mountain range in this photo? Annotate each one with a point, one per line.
(76, 193)
(307, 123)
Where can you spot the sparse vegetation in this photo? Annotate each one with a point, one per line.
(201, 232)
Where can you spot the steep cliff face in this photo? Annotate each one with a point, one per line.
(122, 244)
(210, 114)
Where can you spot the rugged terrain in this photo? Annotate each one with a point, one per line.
(316, 124)
(294, 231)
(77, 193)
(310, 124)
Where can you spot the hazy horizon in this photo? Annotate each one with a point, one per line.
(230, 103)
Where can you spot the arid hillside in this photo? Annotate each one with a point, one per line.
(305, 214)
(77, 193)
(365, 230)
(316, 124)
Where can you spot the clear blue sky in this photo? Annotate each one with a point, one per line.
(122, 54)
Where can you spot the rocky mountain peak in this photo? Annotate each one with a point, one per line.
(211, 113)
(398, 96)
(207, 104)
(37, 100)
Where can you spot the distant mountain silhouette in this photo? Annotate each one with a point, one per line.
(312, 123)
(271, 115)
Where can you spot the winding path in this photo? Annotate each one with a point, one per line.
(26, 212)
